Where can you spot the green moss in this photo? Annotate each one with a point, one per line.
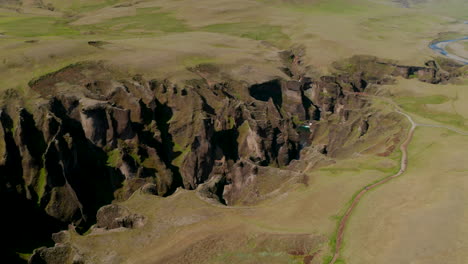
(178, 147)
(36, 26)
(243, 132)
(327, 259)
(417, 105)
(178, 161)
(326, 95)
(79, 7)
(431, 99)
(222, 45)
(136, 157)
(256, 31)
(231, 122)
(296, 120)
(147, 21)
(150, 162)
(24, 256)
(341, 7)
(41, 183)
(113, 158)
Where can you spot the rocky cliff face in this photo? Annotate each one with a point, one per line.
(93, 138)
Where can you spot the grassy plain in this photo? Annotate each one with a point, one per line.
(185, 229)
(418, 218)
(459, 48)
(141, 35)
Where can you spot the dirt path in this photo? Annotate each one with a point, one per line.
(403, 166)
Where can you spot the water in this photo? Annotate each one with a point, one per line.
(439, 47)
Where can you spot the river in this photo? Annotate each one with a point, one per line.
(440, 46)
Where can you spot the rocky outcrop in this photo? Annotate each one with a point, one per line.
(92, 139)
(115, 216)
(381, 71)
(248, 183)
(59, 254)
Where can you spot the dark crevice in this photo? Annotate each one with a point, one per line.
(32, 137)
(265, 91)
(307, 104)
(220, 190)
(85, 168)
(226, 140)
(22, 218)
(165, 148)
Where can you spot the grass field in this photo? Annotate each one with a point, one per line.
(432, 104)
(185, 229)
(418, 218)
(328, 30)
(459, 48)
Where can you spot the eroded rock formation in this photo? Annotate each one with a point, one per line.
(92, 138)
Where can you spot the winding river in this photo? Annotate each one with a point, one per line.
(440, 46)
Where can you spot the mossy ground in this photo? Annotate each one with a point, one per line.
(36, 27)
(146, 21)
(418, 106)
(161, 37)
(380, 225)
(41, 183)
(114, 158)
(255, 31)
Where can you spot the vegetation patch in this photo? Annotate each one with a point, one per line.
(41, 184)
(372, 67)
(79, 65)
(183, 153)
(273, 34)
(431, 99)
(146, 21)
(24, 256)
(417, 105)
(243, 132)
(85, 6)
(113, 158)
(405, 23)
(36, 26)
(339, 170)
(448, 36)
(194, 61)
